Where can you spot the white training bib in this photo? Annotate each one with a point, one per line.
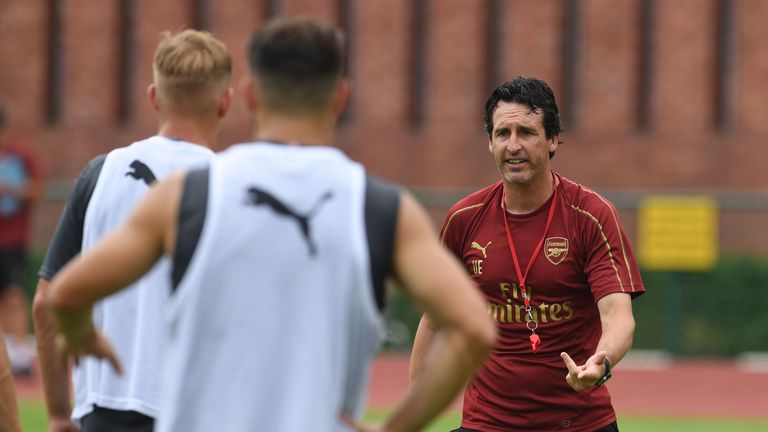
(132, 320)
(274, 324)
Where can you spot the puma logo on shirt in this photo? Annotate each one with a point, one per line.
(256, 197)
(476, 245)
(141, 172)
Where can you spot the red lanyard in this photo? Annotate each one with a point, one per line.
(530, 321)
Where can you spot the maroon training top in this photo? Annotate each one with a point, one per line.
(586, 255)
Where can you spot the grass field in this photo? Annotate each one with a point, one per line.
(33, 420)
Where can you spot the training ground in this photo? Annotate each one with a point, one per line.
(679, 395)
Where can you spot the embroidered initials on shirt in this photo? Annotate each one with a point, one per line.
(476, 265)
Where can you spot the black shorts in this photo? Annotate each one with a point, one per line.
(613, 427)
(13, 265)
(109, 420)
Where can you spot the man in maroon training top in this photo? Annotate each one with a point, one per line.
(557, 271)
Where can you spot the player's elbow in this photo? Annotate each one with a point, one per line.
(58, 298)
(40, 304)
(488, 335)
(475, 326)
(623, 324)
(630, 331)
(481, 336)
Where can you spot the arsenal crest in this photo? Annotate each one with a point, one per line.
(556, 249)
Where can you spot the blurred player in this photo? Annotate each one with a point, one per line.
(191, 94)
(280, 250)
(21, 184)
(557, 271)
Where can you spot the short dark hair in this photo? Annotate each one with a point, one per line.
(296, 62)
(527, 91)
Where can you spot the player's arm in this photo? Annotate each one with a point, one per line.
(118, 260)
(53, 370)
(614, 278)
(615, 308)
(618, 325)
(9, 414)
(425, 334)
(437, 283)
(65, 245)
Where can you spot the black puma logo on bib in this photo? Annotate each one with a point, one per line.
(141, 172)
(256, 197)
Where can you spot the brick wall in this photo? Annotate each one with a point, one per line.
(681, 146)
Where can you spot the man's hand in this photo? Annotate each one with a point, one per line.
(94, 344)
(585, 376)
(62, 425)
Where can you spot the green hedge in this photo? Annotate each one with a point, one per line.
(35, 260)
(715, 313)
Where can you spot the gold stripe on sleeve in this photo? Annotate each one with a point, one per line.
(605, 240)
(448, 222)
(618, 231)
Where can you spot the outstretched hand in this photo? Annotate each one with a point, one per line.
(585, 376)
(95, 344)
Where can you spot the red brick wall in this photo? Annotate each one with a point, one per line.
(681, 149)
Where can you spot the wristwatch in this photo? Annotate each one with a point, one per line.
(606, 376)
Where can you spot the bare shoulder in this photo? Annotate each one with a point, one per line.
(412, 217)
(158, 212)
(167, 192)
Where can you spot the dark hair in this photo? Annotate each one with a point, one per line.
(296, 62)
(527, 91)
(2, 117)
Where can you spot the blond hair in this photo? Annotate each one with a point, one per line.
(191, 70)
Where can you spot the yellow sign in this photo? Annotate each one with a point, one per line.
(677, 233)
